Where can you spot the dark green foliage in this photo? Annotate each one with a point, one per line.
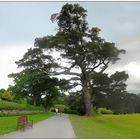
(70, 111)
(111, 93)
(34, 84)
(61, 99)
(76, 103)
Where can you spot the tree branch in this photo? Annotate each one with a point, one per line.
(65, 73)
(68, 69)
(105, 66)
(91, 69)
(74, 78)
(96, 66)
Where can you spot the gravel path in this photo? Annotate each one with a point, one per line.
(54, 127)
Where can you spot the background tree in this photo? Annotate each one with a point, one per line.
(35, 85)
(33, 82)
(111, 91)
(81, 48)
(76, 103)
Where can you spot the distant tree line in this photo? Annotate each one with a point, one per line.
(109, 92)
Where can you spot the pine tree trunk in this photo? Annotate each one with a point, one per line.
(87, 99)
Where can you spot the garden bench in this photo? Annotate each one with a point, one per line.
(23, 122)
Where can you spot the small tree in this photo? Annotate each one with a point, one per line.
(33, 82)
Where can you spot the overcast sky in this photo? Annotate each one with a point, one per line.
(22, 22)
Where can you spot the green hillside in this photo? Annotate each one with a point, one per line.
(5, 105)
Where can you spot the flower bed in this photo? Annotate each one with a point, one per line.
(19, 112)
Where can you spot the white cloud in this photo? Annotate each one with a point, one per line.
(129, 62)
(133, 69)
(8, 55)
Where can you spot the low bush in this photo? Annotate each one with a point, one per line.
(104, 111)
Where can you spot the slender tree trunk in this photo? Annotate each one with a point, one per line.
(87, 99)
(34, 101)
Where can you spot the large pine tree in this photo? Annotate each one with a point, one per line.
(81, 48)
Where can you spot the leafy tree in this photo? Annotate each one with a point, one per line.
(33, 82)
(80, 48)
(62, 99)
(111, 91)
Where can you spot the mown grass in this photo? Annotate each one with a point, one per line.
(9, 124)
(106, 126)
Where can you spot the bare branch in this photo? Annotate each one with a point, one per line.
(65, 73)
(43, 70)
(67, 68)
(75, 84)
(103, 69)
(96, 66)
(105, 66)
(74, 78)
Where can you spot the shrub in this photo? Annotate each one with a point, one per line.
(7, 95)
(104, 111)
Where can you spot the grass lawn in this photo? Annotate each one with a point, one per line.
(9, 124)
(106, 126)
